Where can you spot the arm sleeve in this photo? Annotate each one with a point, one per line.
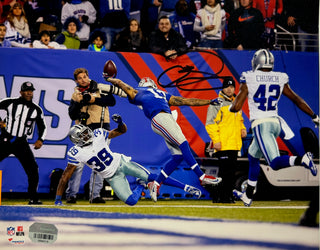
(182, 46)
(60, 39)
(155, 45)
(74, 110)
(213, 114)
(92, 13)
(105, 100)
(37, 44)
(197, 26)
(42, 128)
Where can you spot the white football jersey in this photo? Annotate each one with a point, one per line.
(265, 89)
(97, 156)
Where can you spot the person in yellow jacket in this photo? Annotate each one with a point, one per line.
(226, 130)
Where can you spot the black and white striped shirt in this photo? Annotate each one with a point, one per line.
(21, 116)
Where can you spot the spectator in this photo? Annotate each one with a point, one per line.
(1, 13)
(69, 37)
(45, 42)
(131, 39)
(135, 9)
(167, 7)
(149, 16)
(229, 5)
(210, 21)
(35, 11)
(226, 131)
(14, 132)
(97, 41)
(85, 12)
(114, 17)
(182, 21)
(18, 32)
(245, 27)
(304, 17)
(5, 6)
(166, 41)
(271, 10)
(88, 106)
(4, 43)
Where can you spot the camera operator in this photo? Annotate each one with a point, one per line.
(89, 106)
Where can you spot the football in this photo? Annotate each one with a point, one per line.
(109, 69)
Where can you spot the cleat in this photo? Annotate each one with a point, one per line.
(242, 196)
(35, 202)
(154, 190)
(58, 203)
(210, 180)
(142, 183)
(72, 200)
(307, 162)
(97, 200)
(193, 190)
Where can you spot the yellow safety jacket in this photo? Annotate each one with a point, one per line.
(225, 126)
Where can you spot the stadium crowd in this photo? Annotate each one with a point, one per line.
(132, 25)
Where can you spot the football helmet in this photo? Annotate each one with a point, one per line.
(147, 82)
(81, 135)
(262, 59)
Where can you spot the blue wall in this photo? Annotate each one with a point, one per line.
(51, 71)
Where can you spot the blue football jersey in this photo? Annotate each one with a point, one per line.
(152, 101)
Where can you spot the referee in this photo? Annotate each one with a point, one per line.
(21, 115)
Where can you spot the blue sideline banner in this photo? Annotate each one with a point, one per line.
(51, 72)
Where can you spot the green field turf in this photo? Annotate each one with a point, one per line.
(263, 211)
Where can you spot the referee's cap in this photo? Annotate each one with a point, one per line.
(27, 86)
(228, 82)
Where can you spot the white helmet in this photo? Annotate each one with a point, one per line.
(147, 82)
(81, 135)
(262, 59)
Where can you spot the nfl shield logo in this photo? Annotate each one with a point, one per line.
(10, 231)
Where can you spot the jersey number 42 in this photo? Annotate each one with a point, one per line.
(267, 98)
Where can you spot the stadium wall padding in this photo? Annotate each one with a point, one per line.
(51, 71)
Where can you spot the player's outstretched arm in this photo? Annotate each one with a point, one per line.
(121, 129)
(240, 99)
(130, 91)
(297, 100)
(66, 175)
(301, 104)
(181, 101)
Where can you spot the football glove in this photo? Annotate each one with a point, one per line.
(315, 119)
(117, 118)
(216, 102)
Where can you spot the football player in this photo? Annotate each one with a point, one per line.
(263, 87)
(155, 104)
(92, 148)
